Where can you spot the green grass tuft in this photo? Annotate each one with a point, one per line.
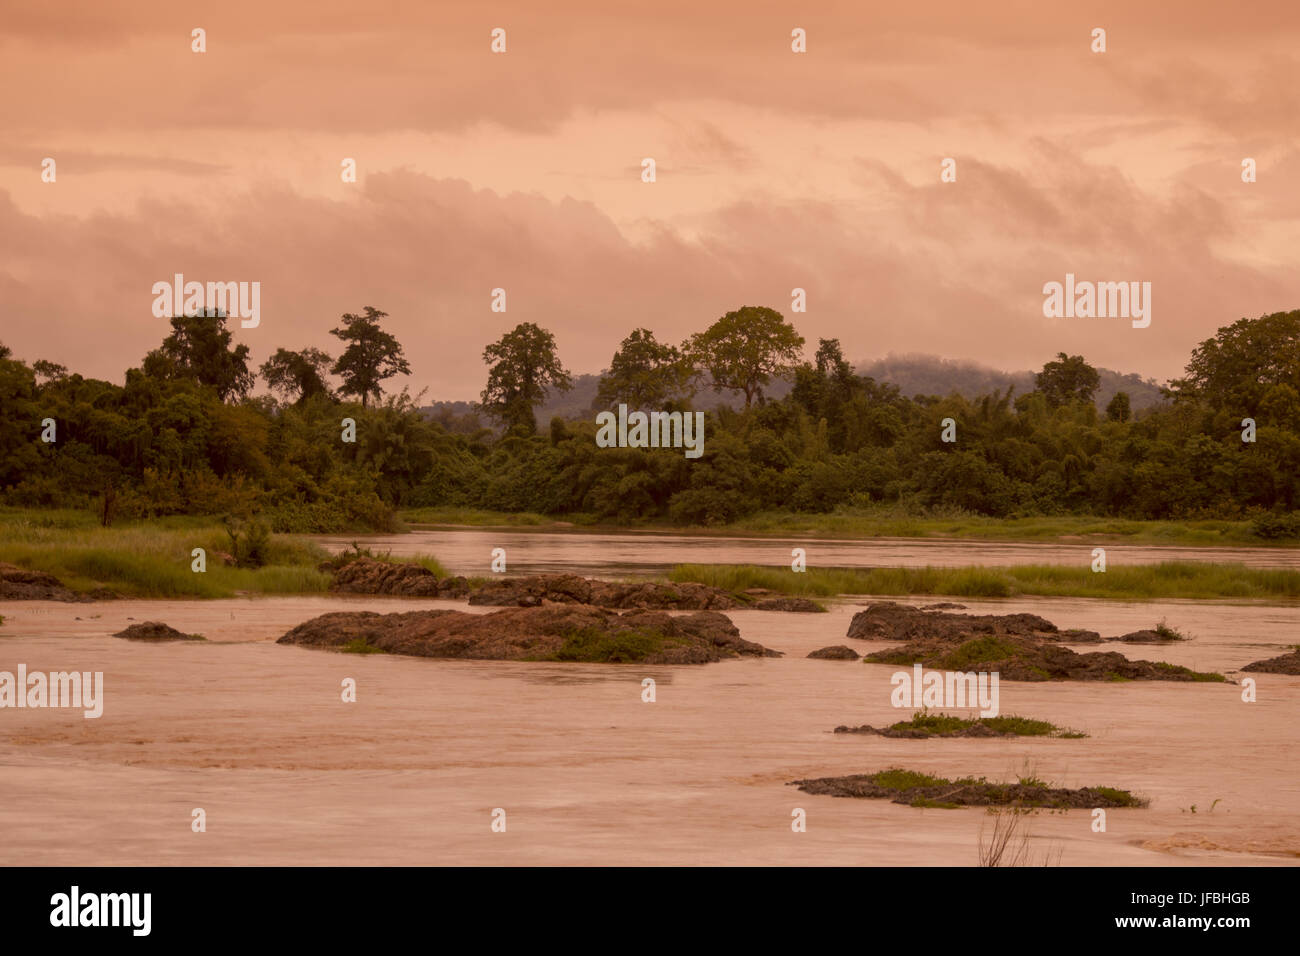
(1168, 579)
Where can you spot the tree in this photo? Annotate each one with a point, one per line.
(1237, 368)
(297, 375)
(49, 371)
(1067, 380)
(643, 373)
(744, 349)
(372, 355)
(524, 367)
(1119, 409)
(198, 349)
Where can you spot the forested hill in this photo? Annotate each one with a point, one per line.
(931, 375)
(913, 374)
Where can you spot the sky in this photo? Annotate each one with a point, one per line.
(522, 170)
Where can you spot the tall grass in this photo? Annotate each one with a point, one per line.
(1169, 579)
(885, 521)
(153, 558)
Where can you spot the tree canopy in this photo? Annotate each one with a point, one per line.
(523, 367)
(745, 349)
(371, 357)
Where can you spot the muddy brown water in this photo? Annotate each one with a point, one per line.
(257, 736)
(595, 554)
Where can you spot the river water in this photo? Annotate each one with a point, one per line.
(257, 736)
(596, 554)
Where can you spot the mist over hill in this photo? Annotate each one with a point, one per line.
(913, 374)
(931, 375)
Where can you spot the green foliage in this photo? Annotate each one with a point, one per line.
(199, 350)
(1068, 379)
(371, 356)
(595, 646)
(153, 558)
(524, 366)
(644, 374)
(841, 454)
(360, 646)
(743, 350)
(250, 541)
(297, 375)
(1168, 579)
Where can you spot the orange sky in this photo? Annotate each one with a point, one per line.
(522, 170)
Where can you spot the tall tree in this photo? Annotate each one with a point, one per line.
(1242, 363)
(1067, 380)
(1119, 409)
(198, 349)
(372, 355)
(643, 373)
(297, 375)
(743, 350)
(524, 367)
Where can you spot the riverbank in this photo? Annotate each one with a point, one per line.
(155, 558)
(1169, 579)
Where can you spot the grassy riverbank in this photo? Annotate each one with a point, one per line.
(152, 558)
(1170, 579)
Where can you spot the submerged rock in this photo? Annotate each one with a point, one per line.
(537, 590)
(19, 584)
(836, 652)
(156, 631)
(921, 790)
(1286, 664)
(797, 604)
(972, 729)
(1029, 658)
(1148, 636)
(369, 576)
(891, 621)
(562, 632)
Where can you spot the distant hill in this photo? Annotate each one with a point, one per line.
(931, 375)
(913, 374)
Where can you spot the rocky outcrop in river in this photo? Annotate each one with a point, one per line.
(19, 584)
(369, 576)
(556, 632)
(156, 631)
(1020, 647)
(1286, 664)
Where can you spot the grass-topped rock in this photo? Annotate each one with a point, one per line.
(549, 633)
(1020, 658)
(924, 725)
(922, 790)
(1286, 664)
(1020, 647)
(156, 632)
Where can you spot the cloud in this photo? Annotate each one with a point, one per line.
(955, 269)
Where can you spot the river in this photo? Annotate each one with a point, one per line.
(601, 554)
(257, 736)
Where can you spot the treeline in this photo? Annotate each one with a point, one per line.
(184, 434)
